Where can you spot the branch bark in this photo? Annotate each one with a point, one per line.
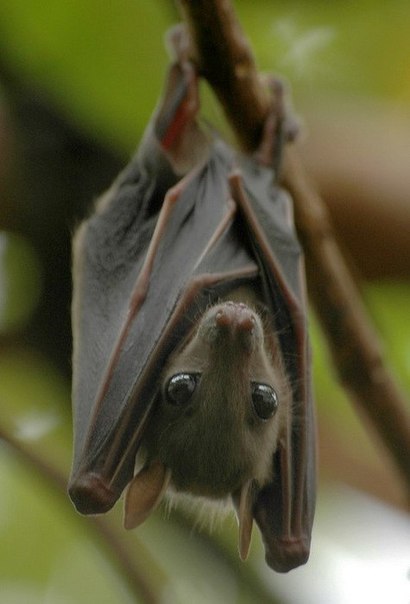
(224, 58)
(357, 153)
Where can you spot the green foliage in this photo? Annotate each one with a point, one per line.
(20, 281)
(103, 62)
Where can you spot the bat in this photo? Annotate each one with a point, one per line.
(191, 360)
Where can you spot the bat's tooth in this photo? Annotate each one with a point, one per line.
(91, 495)
(245, 534)
(144, 493)
(245, 519)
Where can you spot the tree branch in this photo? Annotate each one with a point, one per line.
(355, 347)
(224, 57)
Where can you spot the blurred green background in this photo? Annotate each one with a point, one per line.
(78, 82)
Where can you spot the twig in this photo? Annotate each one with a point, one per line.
(225, 59)
(114, 546)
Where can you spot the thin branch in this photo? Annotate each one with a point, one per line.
(225, 59)
(122, 559)
(355, 347)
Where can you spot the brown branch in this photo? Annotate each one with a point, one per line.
(122, 559)
(355, 347)
(229, 66)
(225, 59)
(364, 183)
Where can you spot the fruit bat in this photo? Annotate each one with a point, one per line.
(191, 369)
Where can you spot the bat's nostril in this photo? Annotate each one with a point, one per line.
(222, 318)
(247, 322)
(236, 316)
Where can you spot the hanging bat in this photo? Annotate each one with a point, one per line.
(191, 358)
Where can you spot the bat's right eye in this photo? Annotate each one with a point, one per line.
(180, 388)
(264, 400)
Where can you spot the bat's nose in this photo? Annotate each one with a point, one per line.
(236, 315)
(232, 324)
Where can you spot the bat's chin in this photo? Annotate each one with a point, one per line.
(215, 478)
(214, 490)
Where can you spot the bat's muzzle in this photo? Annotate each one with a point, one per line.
(235, 326)
(238, 316)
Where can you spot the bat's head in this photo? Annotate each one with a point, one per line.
(220, 412)
(217, 422)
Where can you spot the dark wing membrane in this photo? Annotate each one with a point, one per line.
(147, 280)
(108, 253)
(284, 509)
(147, 286)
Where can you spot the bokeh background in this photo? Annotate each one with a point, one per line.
(78, 82)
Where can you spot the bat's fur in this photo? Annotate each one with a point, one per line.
(217, 442)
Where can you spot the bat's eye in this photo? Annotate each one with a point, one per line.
(264, 399)
(181, 387)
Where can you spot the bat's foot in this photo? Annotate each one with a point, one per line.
(281, 126)
(175, 123)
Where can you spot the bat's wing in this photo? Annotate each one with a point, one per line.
(284, 509)
(141, 282)
(152, 258)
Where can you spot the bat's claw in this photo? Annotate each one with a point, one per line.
(178, 43)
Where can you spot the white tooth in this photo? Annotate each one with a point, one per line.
(245, 519)
(144, 493)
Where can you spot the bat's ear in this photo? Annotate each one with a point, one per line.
(243, 501)
(144, 493)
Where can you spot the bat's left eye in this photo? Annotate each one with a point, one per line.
(264, 400)
(180, 388)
